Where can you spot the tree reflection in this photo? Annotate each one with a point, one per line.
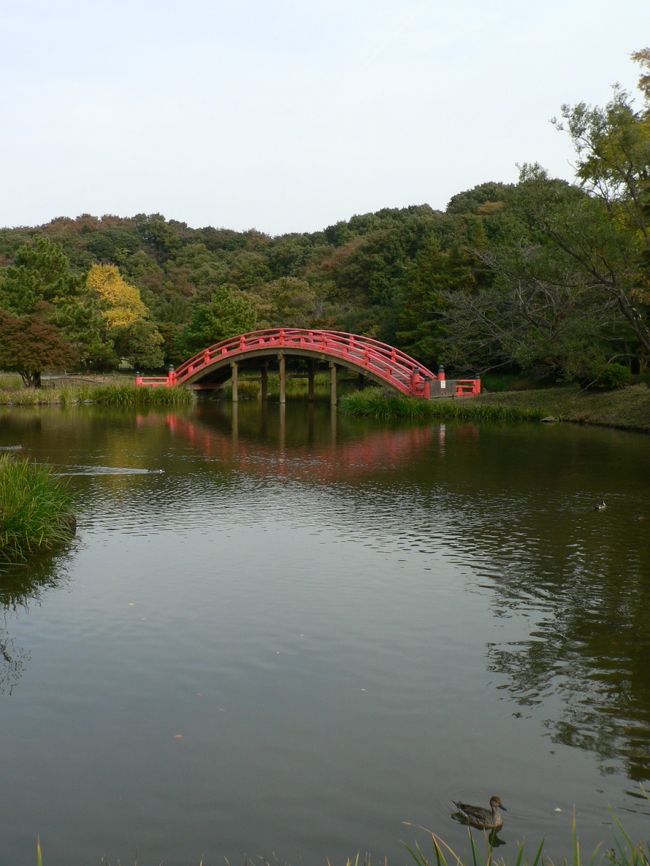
(21, 585)
(587, 590)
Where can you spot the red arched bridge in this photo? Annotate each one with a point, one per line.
(384, 364)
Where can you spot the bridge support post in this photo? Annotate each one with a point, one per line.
(310, 381)
(235, 427)
(333, 383)
(283, 377)
(264, 389)
(235, 381)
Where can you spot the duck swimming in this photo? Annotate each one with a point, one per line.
(482, 819)
(601, 506)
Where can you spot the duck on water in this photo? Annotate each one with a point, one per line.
(477, 816)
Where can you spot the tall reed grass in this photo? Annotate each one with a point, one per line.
(376, 403)
(104, 395)
(36, 509)
(130, 395)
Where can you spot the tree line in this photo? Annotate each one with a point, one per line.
(541, 276)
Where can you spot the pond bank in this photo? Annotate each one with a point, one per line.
(627, 408)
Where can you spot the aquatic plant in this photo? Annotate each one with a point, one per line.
(35, 509)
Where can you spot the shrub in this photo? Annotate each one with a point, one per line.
(612, 377)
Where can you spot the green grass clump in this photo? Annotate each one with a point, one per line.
(27, 396)
(127, 395)
(375, 403)
(35, 509)
(121, 395)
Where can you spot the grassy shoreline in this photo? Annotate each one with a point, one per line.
(627, 408)
(36, 509)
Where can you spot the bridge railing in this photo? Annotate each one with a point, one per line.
(468, 387)
(154, 381)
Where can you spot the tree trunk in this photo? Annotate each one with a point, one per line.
(31, 378)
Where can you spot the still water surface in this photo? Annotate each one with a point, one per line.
(308, 630)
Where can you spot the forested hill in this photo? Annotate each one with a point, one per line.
(356, 275)
(379, 274)
(542, 276)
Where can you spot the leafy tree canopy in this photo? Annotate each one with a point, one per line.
(40, 274)
(29, 346)
(227, 314)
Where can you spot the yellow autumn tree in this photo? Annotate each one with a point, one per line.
(121, 303)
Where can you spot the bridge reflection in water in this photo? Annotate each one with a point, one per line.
(259, 444)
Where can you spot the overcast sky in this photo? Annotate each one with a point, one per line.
(289, 116)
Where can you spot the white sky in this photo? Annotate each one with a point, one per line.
(289, 116)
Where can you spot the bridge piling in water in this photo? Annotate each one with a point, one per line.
(234, 376)
(264, 382)
(332, 383)
(282, 363)
(310, 381)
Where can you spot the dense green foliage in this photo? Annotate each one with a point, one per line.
(541, 277)
(35, 509)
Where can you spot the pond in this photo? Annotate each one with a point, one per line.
(284, 633)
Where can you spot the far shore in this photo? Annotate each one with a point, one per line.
(625, 408)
